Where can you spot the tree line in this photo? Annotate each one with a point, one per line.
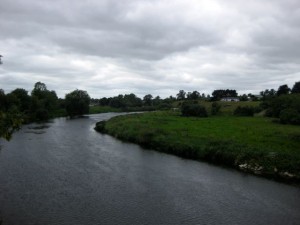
(283, 104)
(19, 106)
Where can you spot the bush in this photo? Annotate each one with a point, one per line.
(215, 108)
(276, 105)
(42, 115)
(289, 116)
(100, 126)
(193, 110)
(244, 111)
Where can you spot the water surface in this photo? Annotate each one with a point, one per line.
(66, 173)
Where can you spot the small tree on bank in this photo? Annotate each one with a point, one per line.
(77, 103)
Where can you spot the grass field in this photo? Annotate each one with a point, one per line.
(227, 108)
(254, 144)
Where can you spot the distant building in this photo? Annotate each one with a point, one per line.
(230, 99)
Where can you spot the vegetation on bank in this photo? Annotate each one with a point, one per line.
(254, 144)
(41, 104)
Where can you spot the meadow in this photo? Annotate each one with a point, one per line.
(253, 144)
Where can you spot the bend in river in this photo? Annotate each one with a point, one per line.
(66, 173)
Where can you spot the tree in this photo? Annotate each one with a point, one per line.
(117, 102)
(103, 101)
(148, 99)
(244, 97)
(39, 89)
(296, 88)
(9, 122)
(43, 102)
(221, 93)
(181, 95)
(3, 102)
(193, 95)
(77, 103)
(132, 100)
(10, 117)
(275, 105)
(23, 99)
(283, 90)
(157, 101)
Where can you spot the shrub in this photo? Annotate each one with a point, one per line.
(42, 115)
(289, 116)
(276, 105)
(215, 108)
(193, 110)
(244, 111)
(100, 126)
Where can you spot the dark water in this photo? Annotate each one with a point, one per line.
(69, 174)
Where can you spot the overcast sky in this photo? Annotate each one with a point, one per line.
(111, 47)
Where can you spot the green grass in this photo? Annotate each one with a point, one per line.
(227, 108)
(227, 140)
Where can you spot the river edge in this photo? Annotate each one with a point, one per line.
(249, 166)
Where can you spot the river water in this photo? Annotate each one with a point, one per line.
(66, 173)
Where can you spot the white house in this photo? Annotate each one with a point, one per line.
(230, 99)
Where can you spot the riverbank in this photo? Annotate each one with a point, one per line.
(252, 144)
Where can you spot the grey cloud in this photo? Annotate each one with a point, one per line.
(155, 47)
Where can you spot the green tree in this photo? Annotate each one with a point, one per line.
(157, 101)
(221, 93)
(283, 90)
(181, 95)
(23, 99)
(148, 100)
(193, 95)
(39, 90)
(132, 100)
(117, 101)
(243, 98)
(296, 88)
(9, 122)
(43, 102)
(282, 102)
(77, 103)
(10, 117)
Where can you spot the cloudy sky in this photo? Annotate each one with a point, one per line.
(111, 47)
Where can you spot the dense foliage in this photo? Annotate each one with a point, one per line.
(9, 122)
(19, 107)
(77, 103)
(244, 111)
(189, 109)
(218, 94)
(296, 88)
(215, 108)
(41, 104)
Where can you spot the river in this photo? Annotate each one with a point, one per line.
(66, 173)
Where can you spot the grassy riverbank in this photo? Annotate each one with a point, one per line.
(253, 144)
